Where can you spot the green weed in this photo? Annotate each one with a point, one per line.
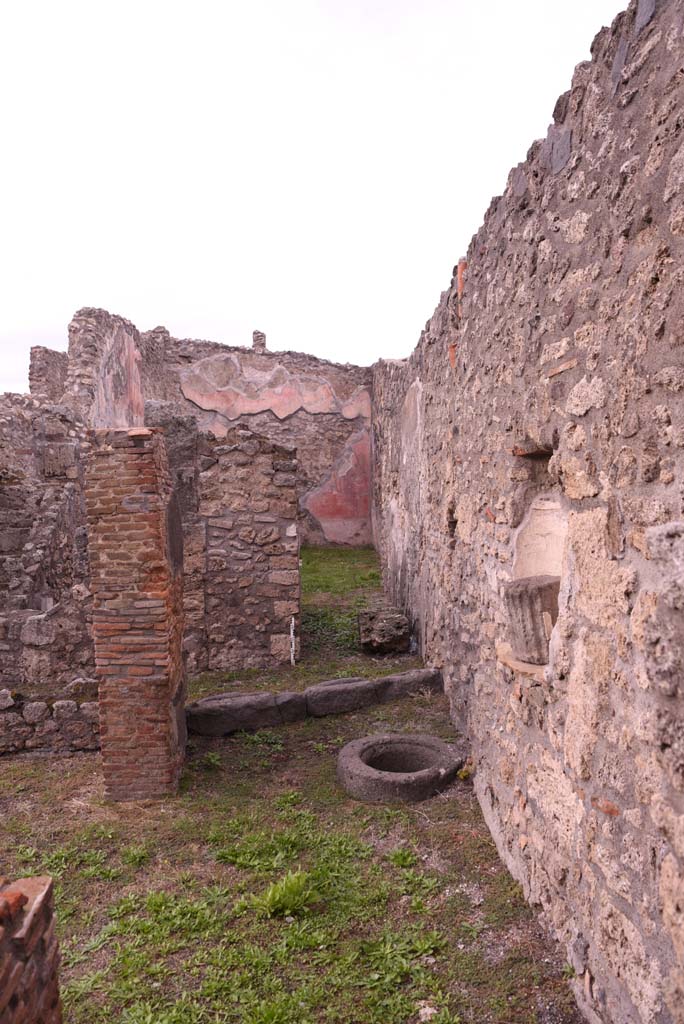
(290, 896)
(135, 855)
(402, 858)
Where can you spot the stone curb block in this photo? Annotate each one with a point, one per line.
(229, 712)
(225, 713)
(404, 684)
(339, 695)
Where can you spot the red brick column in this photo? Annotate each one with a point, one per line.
(136, 559)
(29, 955)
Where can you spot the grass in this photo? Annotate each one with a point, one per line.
(339, 571)
(336, 584)
(291, 895)
(261, 894)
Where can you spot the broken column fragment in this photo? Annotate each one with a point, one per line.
(136, 553)
(532, 606)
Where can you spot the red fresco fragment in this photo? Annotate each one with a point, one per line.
(342, 503)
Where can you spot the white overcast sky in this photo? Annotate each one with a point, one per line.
(311, 168)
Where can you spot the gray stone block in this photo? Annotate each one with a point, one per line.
(403, 684)
(336, 696)
(39, 631)
(291, 706)
(91, 711)
(232, 712)
(35, 711)
(63, 709)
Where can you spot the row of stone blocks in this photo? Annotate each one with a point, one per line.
(62, 726)
(29, 954)
(225, 713)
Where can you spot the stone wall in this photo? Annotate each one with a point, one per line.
(246, 539)
(46, 643)
(29, 954)
(295, 400)
(48, 372)
(45, 649)
(542, 413)
(238, 501)
(320, 408)
(60, 726)
(136, 553)
(103, 382)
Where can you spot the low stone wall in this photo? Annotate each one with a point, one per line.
(60, 727)
(29, 954)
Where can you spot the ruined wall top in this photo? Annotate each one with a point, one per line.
(103, 379)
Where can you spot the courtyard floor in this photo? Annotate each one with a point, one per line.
(262, 894)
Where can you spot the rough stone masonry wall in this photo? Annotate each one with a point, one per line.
(45, 649)
(246, 552)
(29, 955)
(553, 388)
(136, 553)
(103, 382)
(295, 400)
(57, 726)
(238, 502)
(45, 600)
(48, 372)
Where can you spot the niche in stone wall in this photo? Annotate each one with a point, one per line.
(531, 597)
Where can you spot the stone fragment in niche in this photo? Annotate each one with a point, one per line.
(532, 607)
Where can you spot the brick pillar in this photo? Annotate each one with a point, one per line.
(136, 557)
(29, 955)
